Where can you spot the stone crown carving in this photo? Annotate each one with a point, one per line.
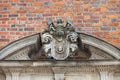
(60, 41)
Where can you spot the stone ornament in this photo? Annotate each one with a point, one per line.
(60, 41)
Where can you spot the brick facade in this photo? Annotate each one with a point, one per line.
(19, 18)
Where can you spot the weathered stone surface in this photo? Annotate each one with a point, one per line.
(86, 70)
(60, 42)
(27, 58)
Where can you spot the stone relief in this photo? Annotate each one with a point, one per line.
(21, 55)
(60, 41)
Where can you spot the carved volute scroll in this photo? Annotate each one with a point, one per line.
(60, 41)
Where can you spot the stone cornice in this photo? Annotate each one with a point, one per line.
(59, 63)
(59, 70)
(49, 67)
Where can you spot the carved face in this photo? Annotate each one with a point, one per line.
(59, 33)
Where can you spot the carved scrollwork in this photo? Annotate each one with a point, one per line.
(60, 42)
(72, 37)
(46, 38)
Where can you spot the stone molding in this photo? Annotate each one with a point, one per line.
(33, 40)
(31, 67)
(18, 45)
(59, 72)
(102, 45)
(59, 63)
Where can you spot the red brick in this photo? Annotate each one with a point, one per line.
(13, 18)
(4, 4)
(76, 2)
(106, 33)
(108, 36)
(96, 33)
(115, 32)
(60, 3)
(19, 33)
(106, 20)
(104, 5)
(68, 14)
(79, 17)
(53, 10)
(4, 22)
(113, 16)
(13, 8)
(99, 24)
(87, 21)
(4, 40)
(38, 28)
(4, 33)
(95, 9)
(11, 36)
(29, 0)
(86, 17)
(88, 24)
(4, 25)
(87, 6)
(95, 16)
(22, 11)
(1, 47)
(114, 40)
(5, 16)
(47, 14)
(95, 20)
(37, 4)
(22, 14)
(12, 29)
(4, 12)
(21, 4)
(3, 36)
(4, 19)
(29, 8)
(103, 9)
(79, 21)
(13, 0)
(11, 22)
(22, 0)
(38, 11)
(114, 24)
(112, 1)
(22, 18)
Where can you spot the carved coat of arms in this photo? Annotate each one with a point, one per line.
(60, 41)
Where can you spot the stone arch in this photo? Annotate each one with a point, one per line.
(19, 49)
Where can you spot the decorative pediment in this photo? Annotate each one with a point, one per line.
(59, 42)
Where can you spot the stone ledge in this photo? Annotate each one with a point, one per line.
(58, 63)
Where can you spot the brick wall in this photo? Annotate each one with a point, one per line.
(19, 18)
